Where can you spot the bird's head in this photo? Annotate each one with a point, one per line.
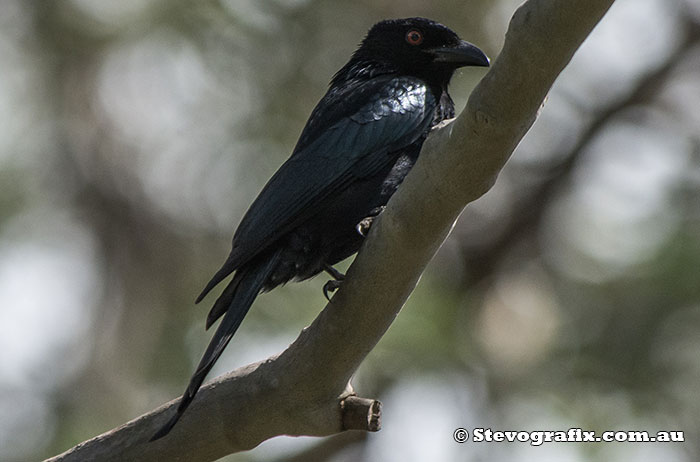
(419, 47)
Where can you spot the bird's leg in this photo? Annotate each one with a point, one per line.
(334, 273)
(366, 223)
(333, 284)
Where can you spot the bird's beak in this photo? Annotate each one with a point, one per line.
(462, 54)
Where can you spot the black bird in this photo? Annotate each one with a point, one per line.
(361, 140)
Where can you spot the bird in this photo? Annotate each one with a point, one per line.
(357, 146)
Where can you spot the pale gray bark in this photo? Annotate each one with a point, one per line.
(304, 390)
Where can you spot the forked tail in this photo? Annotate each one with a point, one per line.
(235, 301)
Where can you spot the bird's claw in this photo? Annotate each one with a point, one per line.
(365, 224)
(331, 286)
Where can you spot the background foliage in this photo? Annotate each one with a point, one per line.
(134, 134)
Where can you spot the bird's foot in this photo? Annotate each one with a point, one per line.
(331, 286)
(334, 284)
(334, 273)
(365, 224)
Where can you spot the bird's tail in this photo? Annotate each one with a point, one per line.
(234, 301)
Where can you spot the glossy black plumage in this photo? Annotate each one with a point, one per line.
(357, 146)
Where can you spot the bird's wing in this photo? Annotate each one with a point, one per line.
(350, 135)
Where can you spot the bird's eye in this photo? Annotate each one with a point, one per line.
(414, 37)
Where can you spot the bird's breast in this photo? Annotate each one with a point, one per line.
(399, 97)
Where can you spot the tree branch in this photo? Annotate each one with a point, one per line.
(300, 391)
(530, 208)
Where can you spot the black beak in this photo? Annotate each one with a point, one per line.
(462, 54)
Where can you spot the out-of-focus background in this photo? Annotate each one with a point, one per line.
(134, 134)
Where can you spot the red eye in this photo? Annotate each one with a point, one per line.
(414, 37)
